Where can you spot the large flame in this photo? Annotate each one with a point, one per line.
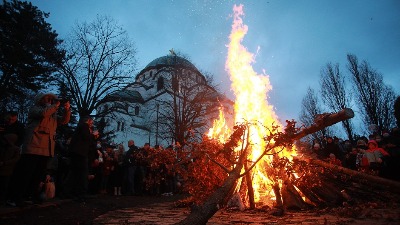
(251, 105)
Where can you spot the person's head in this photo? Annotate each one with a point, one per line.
(378, 138)
(87, 119)
(329, 139)
(347, 143)
(372, 144)
(45, 99)
(11, 117)
(110, 148)
(361, 144)
(131, 143)
(146, 146)
(332, 156)
(316, 147)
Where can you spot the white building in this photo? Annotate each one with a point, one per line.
(169, 101)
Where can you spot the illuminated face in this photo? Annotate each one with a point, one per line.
(46, 100)
(90, 122)
(371, 145)
(11, 119)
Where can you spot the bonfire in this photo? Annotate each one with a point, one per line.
(259, 166)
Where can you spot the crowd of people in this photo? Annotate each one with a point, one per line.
(378, 154)
(33, 155)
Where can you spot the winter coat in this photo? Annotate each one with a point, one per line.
(41, 128)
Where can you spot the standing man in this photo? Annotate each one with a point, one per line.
(81, 149)
(37, 147)
(131, 166)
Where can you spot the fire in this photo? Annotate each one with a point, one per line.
(220, 131)
(251, 105)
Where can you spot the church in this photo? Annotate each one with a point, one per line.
(170, 101)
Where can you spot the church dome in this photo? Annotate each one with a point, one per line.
(170, 61)
(126, 95)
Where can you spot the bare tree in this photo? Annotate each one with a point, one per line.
(310, 110)
(334, 94)
(100, 59)
(397, 111)
(187, 110)
(375, 99)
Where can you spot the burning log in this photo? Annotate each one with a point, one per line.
(250, 190)
(290, 196)
(201, 214)
(325, 120)
(361, 177)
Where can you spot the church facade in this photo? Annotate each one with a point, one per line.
(170, 101)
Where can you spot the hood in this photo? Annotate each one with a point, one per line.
(374, 142)
(41, 95)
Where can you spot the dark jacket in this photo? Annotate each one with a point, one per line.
(9, 154)
(82, 142)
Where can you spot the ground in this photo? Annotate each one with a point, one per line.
(150, 210)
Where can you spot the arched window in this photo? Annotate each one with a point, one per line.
(118, 125)
(136, 110)
(160, 83)
(122, 126)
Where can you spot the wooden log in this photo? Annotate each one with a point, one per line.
(329, 193)
(377, 181)
(311, 196)
(291, 198)
(250, 190)
(278, 196)
(325, 120)
(203, 213)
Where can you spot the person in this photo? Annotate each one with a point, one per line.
(108, 167)
(130, 163)
(80, 149)
(320, 153)
(95, 168)
(376, 157)
(9, 156)
(11, 125)
(334, 161)
(332, 147)
(350, 161)
(118, 173)
(38, 146)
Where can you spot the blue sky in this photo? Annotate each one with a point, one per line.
(296, 39)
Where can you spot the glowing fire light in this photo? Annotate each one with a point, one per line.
(251, 105)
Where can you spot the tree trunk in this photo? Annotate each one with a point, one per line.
(202, 214)
(250, 190)
(291, 197)
(392, 185)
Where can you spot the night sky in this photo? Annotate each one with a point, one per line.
(292, 40)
